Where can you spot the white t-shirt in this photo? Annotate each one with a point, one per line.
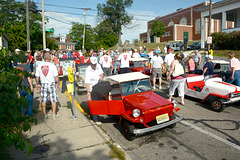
(124, 58)
(169, 58)
(47, 71)
(157, 62)
(136, 55)
(92, 76)
(150, 54)
(105, 61)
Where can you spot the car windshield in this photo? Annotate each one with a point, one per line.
(225, 67)
(136, 86)
(140, 63)
(82, 69)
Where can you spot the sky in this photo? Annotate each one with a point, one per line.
(60, 18)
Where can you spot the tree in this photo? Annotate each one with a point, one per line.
(157, 28)
(12, 123)
(103, 37)
(115, 15)
(135, 41)
(76, 35)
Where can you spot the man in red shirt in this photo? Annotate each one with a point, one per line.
(83, 59)
(30, 60)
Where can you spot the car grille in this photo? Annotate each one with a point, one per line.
(236, 95)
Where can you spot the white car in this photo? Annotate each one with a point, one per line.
(213, 90)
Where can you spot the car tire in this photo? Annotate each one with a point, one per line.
(217, 105)
(128, 127)
(173, 117)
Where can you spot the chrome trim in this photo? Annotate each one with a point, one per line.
(156, 127)
(232, 100)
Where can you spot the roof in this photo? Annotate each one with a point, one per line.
(220, 61)
(127, 77)
(216, 5)
(138, 59)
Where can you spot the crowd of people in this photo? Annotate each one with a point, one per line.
(107, 62)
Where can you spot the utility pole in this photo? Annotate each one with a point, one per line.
(83, 49)
(210, 22)
(43, 26)
(27, 20)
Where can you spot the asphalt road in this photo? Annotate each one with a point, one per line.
(202, 134)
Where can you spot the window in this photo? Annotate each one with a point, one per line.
(59, 46)
(171, 23)
(68, 46)
(197, 26)
(212, 26)
(183, 21)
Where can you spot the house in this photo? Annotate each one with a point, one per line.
(64, 44)
(182, 23)
(227, 15)
(4, 41)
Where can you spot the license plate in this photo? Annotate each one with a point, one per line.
(162, 118)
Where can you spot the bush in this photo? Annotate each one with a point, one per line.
(230, 41)
(12, 123)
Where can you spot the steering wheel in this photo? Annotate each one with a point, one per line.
(138, 88)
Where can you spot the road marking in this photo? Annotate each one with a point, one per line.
(211, 134)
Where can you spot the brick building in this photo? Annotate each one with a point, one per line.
(183, 22)
(64, 44)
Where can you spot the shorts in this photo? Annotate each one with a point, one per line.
(49, 90)
(157, 72)
(177, 83)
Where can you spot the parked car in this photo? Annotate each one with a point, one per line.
(176, 46)
(80, 76)
(197, 45)
(139, 65)
(213, 90)
(139, 108)
(221, 69)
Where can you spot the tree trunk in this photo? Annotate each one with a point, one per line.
(119, 37)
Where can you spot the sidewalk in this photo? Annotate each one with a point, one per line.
(65, 138)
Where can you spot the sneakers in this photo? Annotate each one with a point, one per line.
(154, 87)
(46, 117)
(55, 116)
(160, 87)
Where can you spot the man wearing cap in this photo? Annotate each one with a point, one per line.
(48, 75)
(136, 54)
(197, 59)
(106, 62)
(208, 68)
(168, 60)
(124, 58)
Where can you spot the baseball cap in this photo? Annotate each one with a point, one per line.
(17, 50)
(47, 50)
(195, 51)
(135, 50)
(169, 49)
(93, 60)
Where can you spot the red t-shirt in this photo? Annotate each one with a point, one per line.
(30, 59)
(64, 56)
(82, 58)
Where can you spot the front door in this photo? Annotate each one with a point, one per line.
(185, 34)
(106, 107)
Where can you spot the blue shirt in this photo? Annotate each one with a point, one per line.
(69, 55)
(209, 66)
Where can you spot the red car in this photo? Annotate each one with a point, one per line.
(140, 65)
(139, 108)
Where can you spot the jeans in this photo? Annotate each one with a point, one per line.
(116, 65)
(65, 78)
(236, 78)
(29, 110)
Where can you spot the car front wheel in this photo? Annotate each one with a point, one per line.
(129, 130)
(217, 105)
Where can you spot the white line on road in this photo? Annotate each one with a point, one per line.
(211, 134)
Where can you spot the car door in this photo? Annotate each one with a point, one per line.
(106, 107)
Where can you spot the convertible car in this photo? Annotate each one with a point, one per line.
(213, 90)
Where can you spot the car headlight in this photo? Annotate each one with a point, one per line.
(136, 113)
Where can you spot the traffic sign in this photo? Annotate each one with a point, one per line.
(49, 30)
(209, 40)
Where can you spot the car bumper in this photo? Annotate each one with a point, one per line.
(232, 100)
(156, 127)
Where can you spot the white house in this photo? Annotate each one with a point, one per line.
(227, 13)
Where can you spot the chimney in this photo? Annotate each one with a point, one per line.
(68, 38)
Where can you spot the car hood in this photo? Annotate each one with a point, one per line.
(146, 100)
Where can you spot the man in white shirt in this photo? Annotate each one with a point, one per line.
(48, 75)
(124, 58)
(156, 66)
(168, 60)
(106, 62)
(136, 54)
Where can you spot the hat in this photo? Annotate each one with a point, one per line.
(93, 60)
(135, 50)
(28, 50)
(47, 56)
(195, 51)
(17, 50)
(169, 49)
(47, 49)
